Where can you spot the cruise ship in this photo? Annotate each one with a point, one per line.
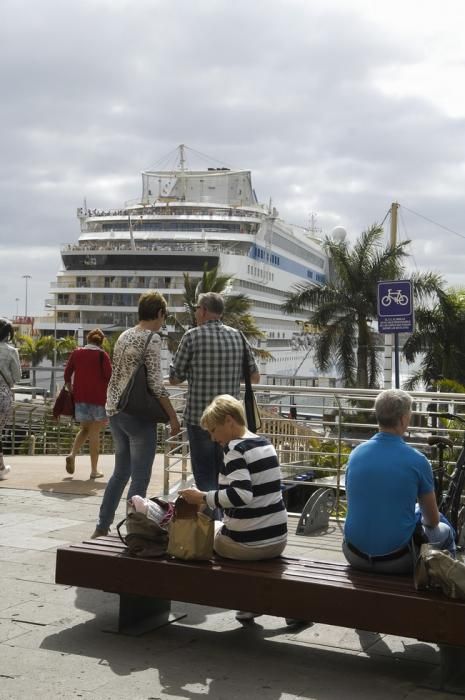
(186, 220)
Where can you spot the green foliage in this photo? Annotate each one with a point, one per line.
(344, 310)
(35, 349)
(65, 346)
(236, 309)
(439, 339)
(110, 342)
(324, 456)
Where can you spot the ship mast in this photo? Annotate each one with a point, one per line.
(182, 160)
(182, 167)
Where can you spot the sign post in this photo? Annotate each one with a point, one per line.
(395, 313)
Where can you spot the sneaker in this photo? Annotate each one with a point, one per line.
(70, 464)
(97, 475)
(4, 472)
(100, 532)
(243, 616)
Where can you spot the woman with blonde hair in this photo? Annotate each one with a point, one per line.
(90, 370)
(249, 489)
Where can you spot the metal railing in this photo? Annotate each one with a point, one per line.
(313, 447)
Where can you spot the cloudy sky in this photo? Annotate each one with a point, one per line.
(338, 107)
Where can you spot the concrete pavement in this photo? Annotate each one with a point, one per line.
(55, 643)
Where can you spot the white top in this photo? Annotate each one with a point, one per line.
(10, 368)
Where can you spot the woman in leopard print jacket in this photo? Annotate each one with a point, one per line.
(134, 438)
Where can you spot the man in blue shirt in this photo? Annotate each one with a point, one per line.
(385, 479)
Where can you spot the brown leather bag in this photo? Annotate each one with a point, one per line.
(191, 532)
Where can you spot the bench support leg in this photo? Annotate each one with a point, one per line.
(450, 676)
(452, 669)
(140, 614)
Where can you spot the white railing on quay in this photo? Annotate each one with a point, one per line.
(315, 429)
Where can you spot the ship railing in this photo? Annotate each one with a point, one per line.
(176, 211)
(197, 246)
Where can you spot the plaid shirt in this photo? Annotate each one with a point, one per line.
(210, 358)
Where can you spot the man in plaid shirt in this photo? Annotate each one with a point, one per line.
(210, 357)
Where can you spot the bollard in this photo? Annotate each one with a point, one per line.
(31, 447)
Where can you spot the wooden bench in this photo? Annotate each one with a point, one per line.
(317, 591)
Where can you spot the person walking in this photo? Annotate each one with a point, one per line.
(210, 357)
(87, 374)
(385, 478)
(135, 438)
(10, 373)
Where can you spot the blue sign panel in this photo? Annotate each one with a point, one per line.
(395, 307)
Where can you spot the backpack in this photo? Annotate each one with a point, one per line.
(146, 537)
(437, 569)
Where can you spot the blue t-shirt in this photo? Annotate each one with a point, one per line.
(384, 478)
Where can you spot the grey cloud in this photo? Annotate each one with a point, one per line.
(95, 92)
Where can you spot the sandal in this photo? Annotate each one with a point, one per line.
(70, 464)
(97, 475)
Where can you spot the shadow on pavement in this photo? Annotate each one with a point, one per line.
(73, 487)
(231, 661)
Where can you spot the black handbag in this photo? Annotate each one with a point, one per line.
(137, 399)
(252, 412)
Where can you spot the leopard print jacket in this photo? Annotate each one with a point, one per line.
(128, 351)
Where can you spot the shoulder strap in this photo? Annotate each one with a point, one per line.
(142, 360)
(100, 357)
(245, 362)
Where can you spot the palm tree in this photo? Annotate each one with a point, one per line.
(110, 342)
(236, 309)
(439, 337)
(35, 350)
(345, 308)
(65, 346)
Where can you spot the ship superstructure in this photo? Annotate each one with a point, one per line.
(184, 221)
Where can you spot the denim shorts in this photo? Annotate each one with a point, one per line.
(89, 412)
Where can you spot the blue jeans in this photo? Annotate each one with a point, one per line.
(135, 443)
(441, 536)
(206, 458)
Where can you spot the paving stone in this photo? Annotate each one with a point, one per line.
(53, 642)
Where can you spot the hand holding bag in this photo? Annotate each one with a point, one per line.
(64, 403)
(252, 412)
(137, 399)
(191, 532)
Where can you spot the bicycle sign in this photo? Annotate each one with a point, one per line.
(395, 307)
(395, 296)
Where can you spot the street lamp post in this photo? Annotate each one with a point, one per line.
(26, 278)
(50, 305)
(17, 300)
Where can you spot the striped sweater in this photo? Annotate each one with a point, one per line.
(250, 493)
